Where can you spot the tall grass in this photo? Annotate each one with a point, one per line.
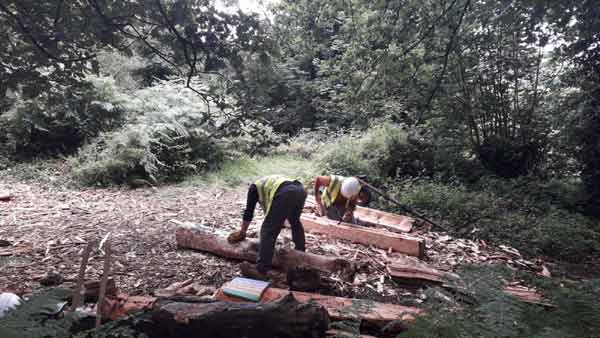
(243, 170)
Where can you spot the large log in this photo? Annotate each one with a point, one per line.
(405, 244)
(201, 238)
(374, 217)
(367, 311)
(285, 318)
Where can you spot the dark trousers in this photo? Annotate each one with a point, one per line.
(287, 204)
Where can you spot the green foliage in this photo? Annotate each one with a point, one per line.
(36, 317)
(242, 170)
(590, 158)
(535, 217)
(382, 152)
(482, 310)
(168, 137)
(59, 120)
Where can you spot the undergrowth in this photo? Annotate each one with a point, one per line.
(244, 170)
(482, 310)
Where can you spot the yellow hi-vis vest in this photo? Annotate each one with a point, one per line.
(331, 192)
(267, 186)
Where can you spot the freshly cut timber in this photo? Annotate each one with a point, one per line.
(405, 244)
(203, 239)
(387, 220)
(367, 311)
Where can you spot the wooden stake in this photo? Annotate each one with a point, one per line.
(107, 250)
(81, 276)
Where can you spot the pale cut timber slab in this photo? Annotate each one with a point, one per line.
(412, 270)
(382, 239)
(374, 217)
(338, 308)
(203, 239)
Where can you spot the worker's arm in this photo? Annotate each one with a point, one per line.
(251, 201)
(321, 182)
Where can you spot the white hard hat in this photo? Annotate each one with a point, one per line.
(350, 187)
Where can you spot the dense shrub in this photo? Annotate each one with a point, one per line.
(506, 212)
(382, 152)
(168, 137)
(59, 121)
(308, 143)
(589, 139)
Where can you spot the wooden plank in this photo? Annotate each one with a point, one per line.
(377, 314)
(405, 244)
(203, 239)
(374, 217)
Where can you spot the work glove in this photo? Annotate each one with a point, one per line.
(236, 237)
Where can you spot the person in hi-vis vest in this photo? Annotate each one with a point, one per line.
(337, 196)
(281, 198)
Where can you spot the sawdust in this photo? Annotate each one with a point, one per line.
(55, 222)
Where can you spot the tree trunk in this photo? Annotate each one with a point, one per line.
(286, 318)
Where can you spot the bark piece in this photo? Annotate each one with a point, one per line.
(5, 197)
(405, 244)
(285, 318)
(201, 238)
(365, 311)
(374, 217)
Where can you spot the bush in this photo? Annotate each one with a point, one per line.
(450, 203)
(154, 153)
(307, 143)
(168, 137)
(507, 212)
(383, 152)
(59, 121)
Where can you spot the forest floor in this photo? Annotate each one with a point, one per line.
(50, 223)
